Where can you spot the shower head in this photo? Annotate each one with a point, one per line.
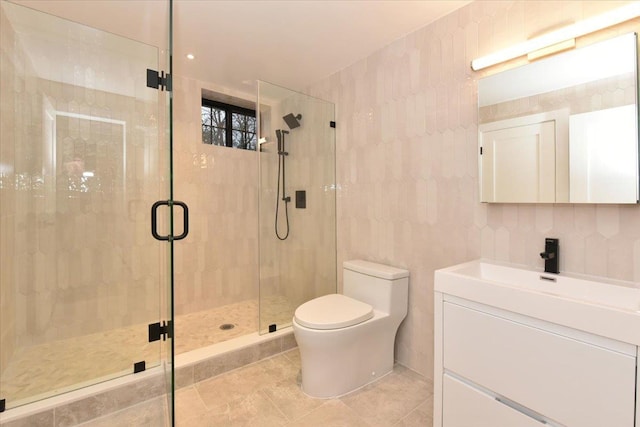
(292, 121)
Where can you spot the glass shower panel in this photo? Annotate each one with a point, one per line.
(83, 156)
(297, 200)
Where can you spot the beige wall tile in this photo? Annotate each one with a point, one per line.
(427, 74)
(218, 263)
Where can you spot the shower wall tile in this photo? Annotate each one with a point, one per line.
(218, 263)
(407, 124)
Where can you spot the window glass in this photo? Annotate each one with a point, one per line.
(228, 125)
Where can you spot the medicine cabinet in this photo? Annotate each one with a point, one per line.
(563, 129)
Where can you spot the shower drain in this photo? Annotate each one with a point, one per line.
(227, 326)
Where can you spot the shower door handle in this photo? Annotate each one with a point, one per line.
(185, 220)
(154, 219)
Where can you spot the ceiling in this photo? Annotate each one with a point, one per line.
(293, 43)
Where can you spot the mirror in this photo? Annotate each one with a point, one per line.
(562, 129)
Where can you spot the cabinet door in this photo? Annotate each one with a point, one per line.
(574, 383)
(465, 406)
(519, 164)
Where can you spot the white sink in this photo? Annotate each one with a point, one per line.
(601, 306)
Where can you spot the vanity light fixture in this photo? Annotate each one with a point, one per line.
(549, 50)
(558, 37)
(190, 56)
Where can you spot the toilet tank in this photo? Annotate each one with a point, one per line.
(383, 287)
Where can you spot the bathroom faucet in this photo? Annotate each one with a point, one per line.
(550, 256)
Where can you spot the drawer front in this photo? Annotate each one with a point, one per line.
(465, 406)
(571, 382)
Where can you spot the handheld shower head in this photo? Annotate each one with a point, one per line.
(292, 121)
(279, 136)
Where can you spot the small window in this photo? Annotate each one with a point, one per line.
(228, 125)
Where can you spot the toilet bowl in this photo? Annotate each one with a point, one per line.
(347, 340)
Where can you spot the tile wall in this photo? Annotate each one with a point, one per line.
(407, 163)
(218, 263)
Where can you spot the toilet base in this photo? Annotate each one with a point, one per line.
(337, 362)
(377, 378)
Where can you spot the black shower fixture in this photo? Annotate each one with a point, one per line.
(280, 134)
(292, 121)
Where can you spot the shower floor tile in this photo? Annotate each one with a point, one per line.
(201, 329)
(40, 371)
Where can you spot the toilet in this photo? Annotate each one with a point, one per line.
(347, 340)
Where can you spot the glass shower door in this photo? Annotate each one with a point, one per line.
(84, 153)
(297, 202)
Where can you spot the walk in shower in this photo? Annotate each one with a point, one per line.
(234, 276)
(86, 148)
(302, 266)
(84, 153)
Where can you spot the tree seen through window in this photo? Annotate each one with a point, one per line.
(228, 125)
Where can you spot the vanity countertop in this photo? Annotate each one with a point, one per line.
(601, 306)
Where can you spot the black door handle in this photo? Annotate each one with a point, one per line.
(185, 220)
(154, 219)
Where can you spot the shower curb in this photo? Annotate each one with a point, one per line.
(150, 386)
(191, 373)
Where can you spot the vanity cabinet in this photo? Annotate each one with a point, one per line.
(499, 368)
(548, 373)
(467, 406)
(516, 347)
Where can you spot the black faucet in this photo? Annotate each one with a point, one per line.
(550, 256)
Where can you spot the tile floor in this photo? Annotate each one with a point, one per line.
(40, 371)
(267, 394)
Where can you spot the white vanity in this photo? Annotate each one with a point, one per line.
(519, 348)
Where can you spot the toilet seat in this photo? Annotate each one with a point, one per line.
(334, 311)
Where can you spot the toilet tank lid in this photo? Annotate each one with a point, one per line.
(374, 269)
